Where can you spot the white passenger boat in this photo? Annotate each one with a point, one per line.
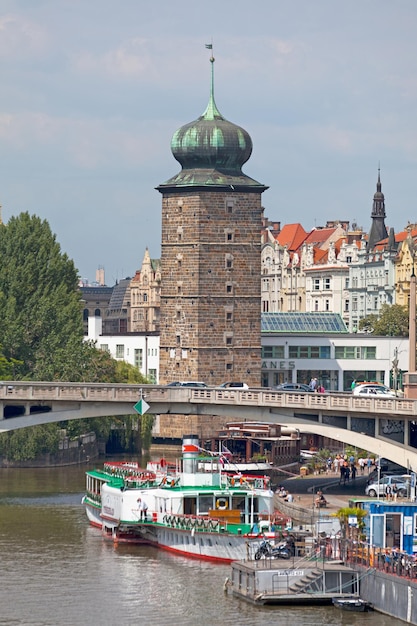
(203, 514)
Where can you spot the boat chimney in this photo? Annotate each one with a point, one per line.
(190, 452)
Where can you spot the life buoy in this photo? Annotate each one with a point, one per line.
(221, 504)
(311, 441)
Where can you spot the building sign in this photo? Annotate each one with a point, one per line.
(278, 365)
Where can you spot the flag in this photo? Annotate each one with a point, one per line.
(209, 46)
(226, 451)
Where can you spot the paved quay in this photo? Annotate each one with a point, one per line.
(304, 503)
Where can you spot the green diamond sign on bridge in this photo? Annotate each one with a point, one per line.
(141, 407)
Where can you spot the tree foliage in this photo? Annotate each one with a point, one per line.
(42, 335)
(40, 308)
(392, 321)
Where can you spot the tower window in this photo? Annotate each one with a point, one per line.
(229, 367)
(229, 340)
(229, 206)
(229, 316)
(229, 262)
(229, 288)
(229, 236)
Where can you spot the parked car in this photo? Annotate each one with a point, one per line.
(292, 387)
(187, 383)
(234, 385)
(373, 390)
(378, 489)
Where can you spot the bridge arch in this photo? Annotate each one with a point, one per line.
(339, 416)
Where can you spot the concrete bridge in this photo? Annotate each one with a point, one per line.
(380, 425)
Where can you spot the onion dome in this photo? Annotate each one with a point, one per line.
(211, 151)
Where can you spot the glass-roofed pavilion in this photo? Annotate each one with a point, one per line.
(303, 323)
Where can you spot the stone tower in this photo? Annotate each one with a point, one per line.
(378, 229)
(210, 326)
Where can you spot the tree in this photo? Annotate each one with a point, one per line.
(40, 308)
(392, 321)
(42, 334)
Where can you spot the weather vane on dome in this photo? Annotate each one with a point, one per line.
(209, 46)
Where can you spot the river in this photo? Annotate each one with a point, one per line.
(57, 570)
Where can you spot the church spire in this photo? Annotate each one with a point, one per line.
(378, 229)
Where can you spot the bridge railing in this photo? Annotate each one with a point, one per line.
(10, 391)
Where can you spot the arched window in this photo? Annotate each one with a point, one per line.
(97, 313)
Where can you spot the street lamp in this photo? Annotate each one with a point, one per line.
(412, 323)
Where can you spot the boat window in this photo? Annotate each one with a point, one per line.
(238, 502)
(205, 503)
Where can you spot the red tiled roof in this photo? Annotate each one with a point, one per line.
(319, 235)
(292, 236)
(399, 238)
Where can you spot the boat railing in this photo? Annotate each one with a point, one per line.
(190, 522)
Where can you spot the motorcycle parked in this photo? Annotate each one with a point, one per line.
(267, 550)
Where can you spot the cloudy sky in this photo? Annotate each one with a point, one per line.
(93, 90)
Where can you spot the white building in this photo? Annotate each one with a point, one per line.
(299, 346)
(138, 349)
(295, 348)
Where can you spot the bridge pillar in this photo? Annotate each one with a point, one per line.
(410, 385)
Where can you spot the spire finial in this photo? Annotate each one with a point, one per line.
(212, 111)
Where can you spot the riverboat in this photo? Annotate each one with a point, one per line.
(218, 516)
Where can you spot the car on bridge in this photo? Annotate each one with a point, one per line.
(293, 387)
(234, 385)
(371, 389)
(187, 383)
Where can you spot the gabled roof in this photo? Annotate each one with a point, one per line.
(292, 236)
(320, 256)
(319, 235)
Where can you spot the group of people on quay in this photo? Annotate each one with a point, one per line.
(348, 466)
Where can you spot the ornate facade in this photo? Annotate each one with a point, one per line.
(145, 296)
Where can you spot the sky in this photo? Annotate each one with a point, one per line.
(93, 90)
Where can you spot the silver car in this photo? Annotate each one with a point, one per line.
(379, 489)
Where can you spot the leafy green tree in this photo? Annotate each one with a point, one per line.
(392, 321)
(42, 334)
(7, 366)
(26, 444)
(40, 308)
